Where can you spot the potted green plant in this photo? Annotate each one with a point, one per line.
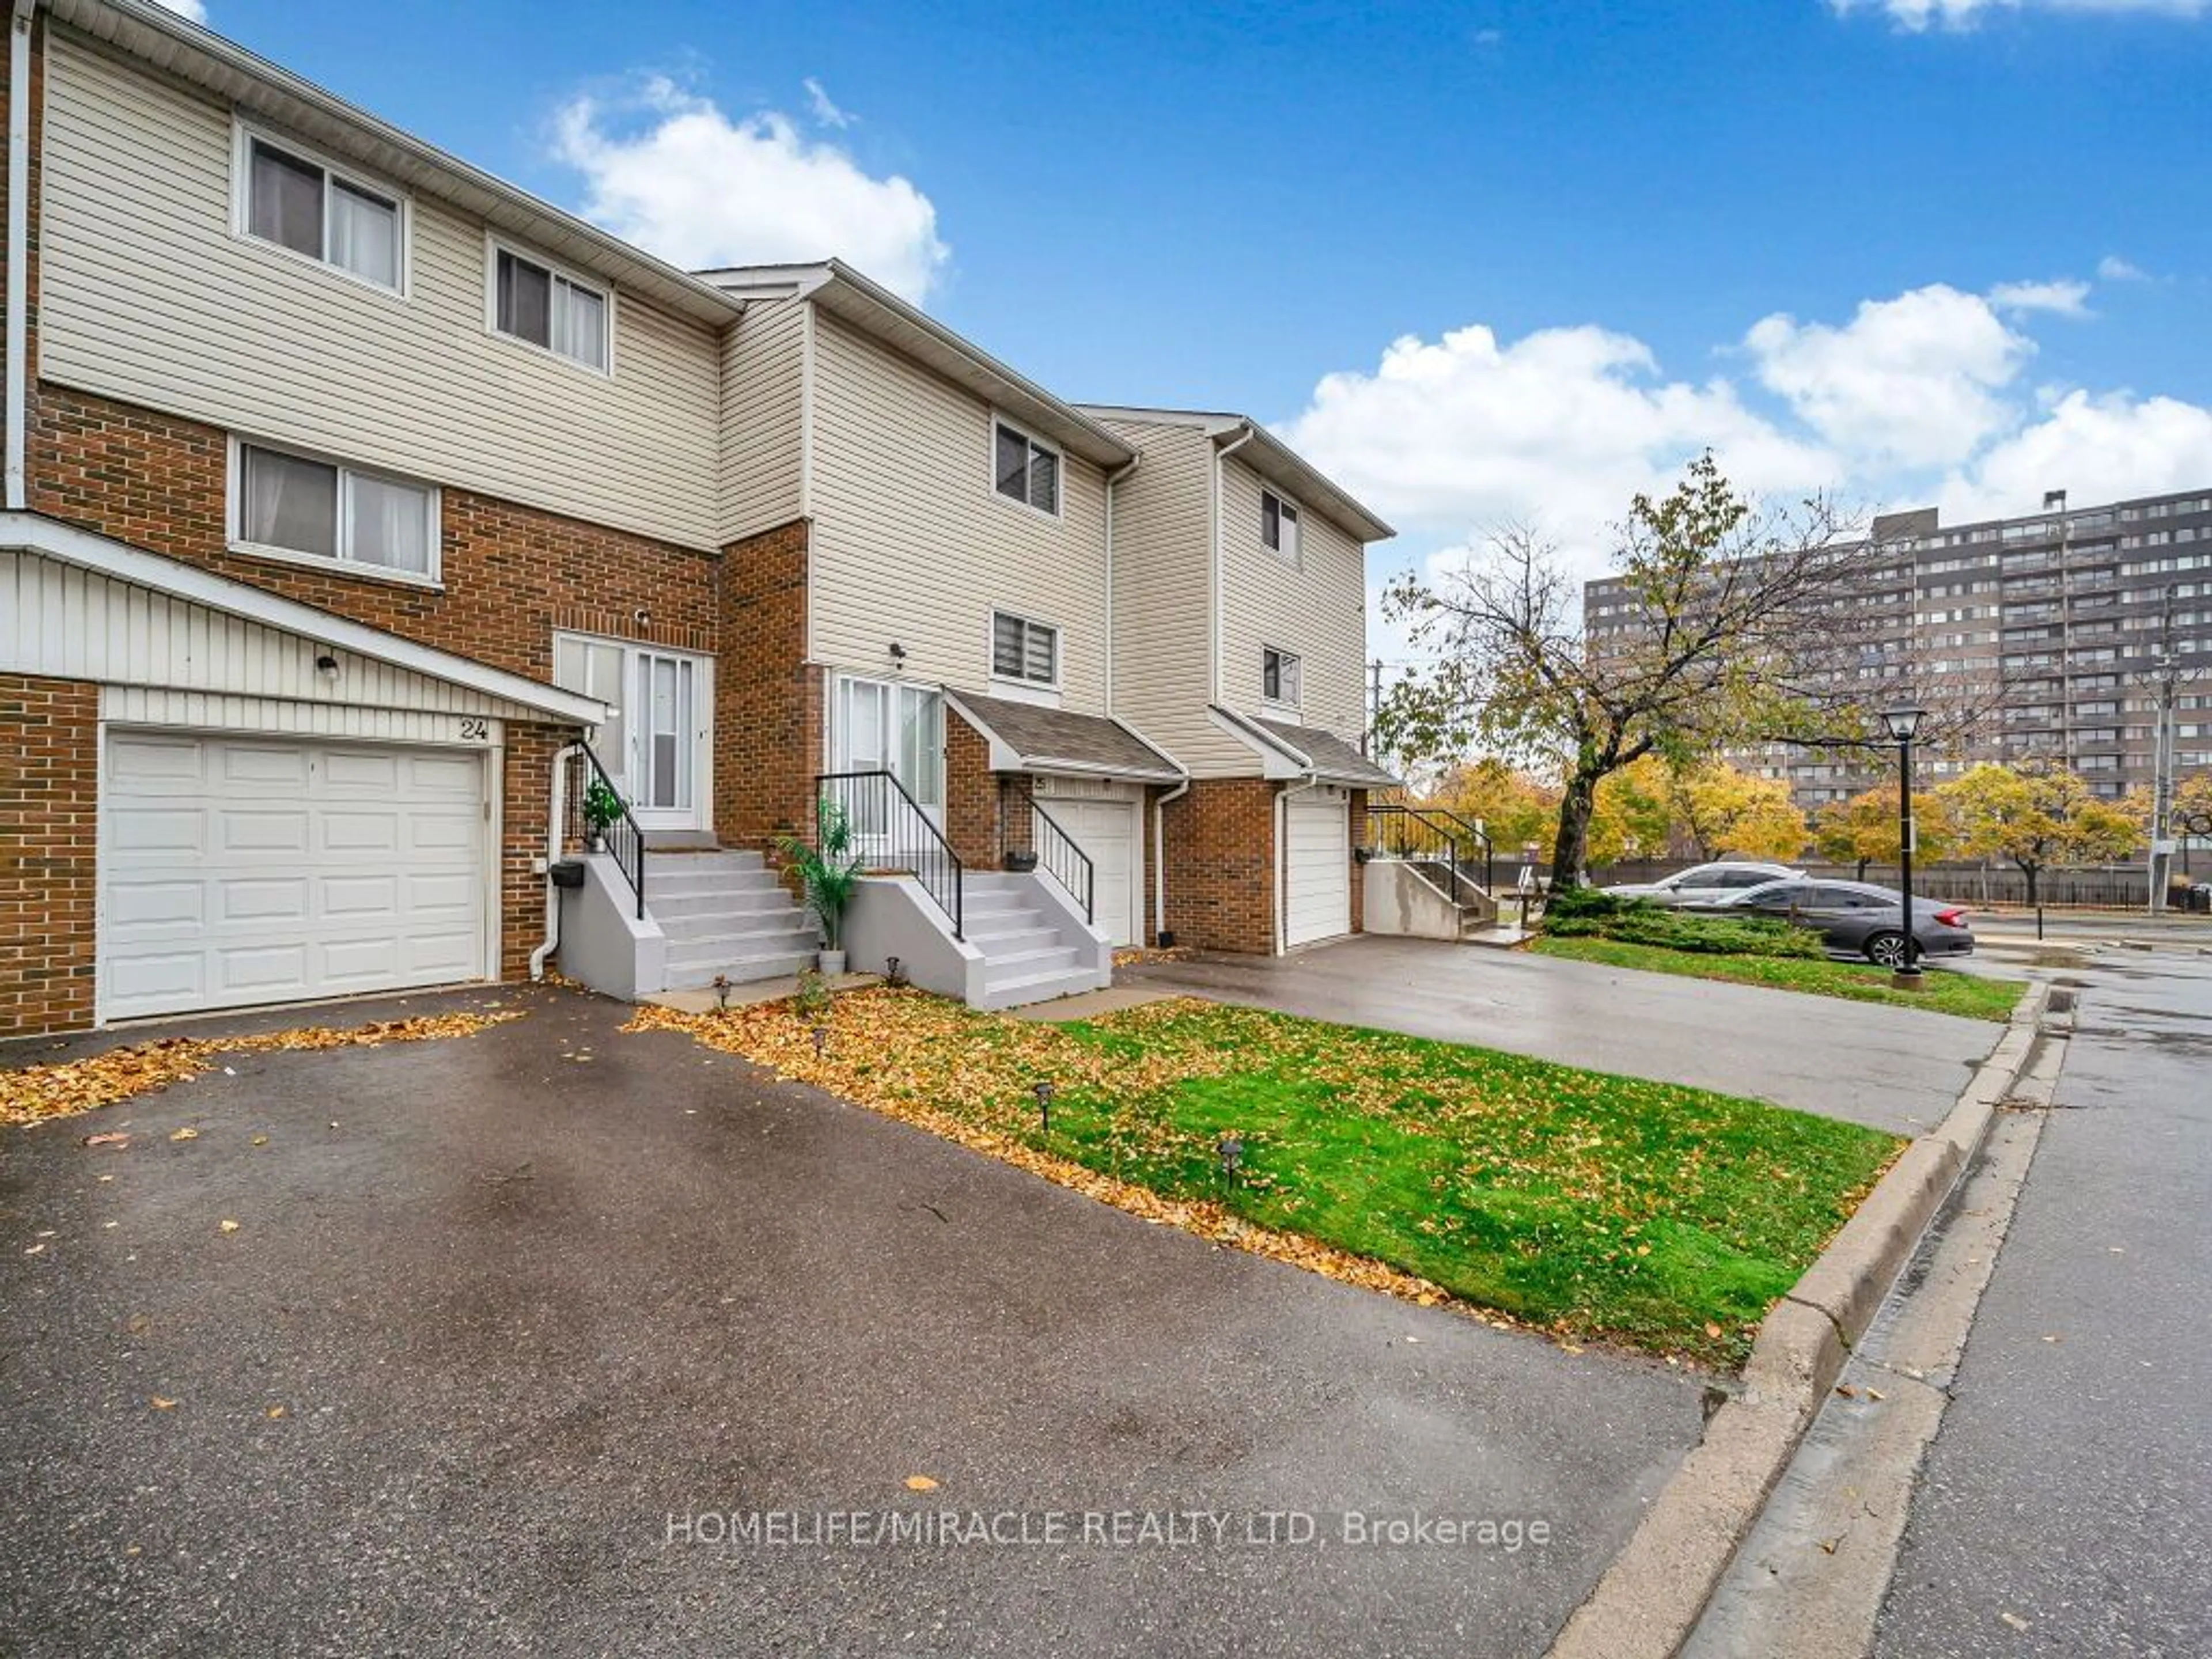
(829, 870)
(603, 810)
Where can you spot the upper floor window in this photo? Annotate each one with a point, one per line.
(550, 309)
(1026, 470)
(1278, 525)
(1024, 650)
(301, 505)
(1280, 674)
(298, 202)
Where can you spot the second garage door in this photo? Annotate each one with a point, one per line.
(1107, 830)
(1316, 866)
(241, 870)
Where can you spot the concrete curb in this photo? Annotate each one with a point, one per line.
(1651, 1596)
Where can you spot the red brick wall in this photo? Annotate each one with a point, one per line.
(1221, 865)
(1358, 874)
(49, 829)
(768, 698)
(526, 796)
(972, 803)
(511, 573)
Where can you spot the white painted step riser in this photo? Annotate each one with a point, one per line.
(1029, 964)
(721, 950)
(996, 944)
(741, 941)
(1019, 994)
(740, 972)
(692, 882)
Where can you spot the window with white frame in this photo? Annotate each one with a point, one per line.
(1025, 469)
(297, 202)
(533, 303)
(1024, 650)
(305, 507)
(1279, 526)
(1280, 673)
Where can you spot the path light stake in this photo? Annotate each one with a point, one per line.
(1044, 1104)
(821, 1040)
(1232, 1157)
(722, 994)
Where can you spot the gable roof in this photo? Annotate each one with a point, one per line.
(1312, 750)
(1030, 737)
(1267, 454)
(876, 311)
(170, 43)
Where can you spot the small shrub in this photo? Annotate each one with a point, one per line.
(1581, 914)
(812, 1000)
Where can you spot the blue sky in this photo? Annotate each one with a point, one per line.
(1856, 246)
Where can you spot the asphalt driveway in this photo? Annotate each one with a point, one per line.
(1899, 1069)
(497, 1307)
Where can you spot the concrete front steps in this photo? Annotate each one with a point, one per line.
(1029, 955)
(725, 913)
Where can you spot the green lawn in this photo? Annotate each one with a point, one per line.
(1664, 1216)
(1944, 993)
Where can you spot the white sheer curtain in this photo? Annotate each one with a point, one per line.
(389, 524)
(291, 503)
(287, 205)
(364, 235)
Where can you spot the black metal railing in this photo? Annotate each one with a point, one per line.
(1422, 836)
(1058, 854)
(1477, 841)
(619, 837)
(892, 833)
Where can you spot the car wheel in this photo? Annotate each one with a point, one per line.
(1886, 950)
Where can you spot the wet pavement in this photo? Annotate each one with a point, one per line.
(513, 1325)
(1899, 1069)
(2064, 1507)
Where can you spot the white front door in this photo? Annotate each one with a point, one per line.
(241, 869)
(1109, 834)
(888, 726)
(1316, 871)
(654, 740)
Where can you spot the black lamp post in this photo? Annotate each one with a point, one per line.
(1904, 725)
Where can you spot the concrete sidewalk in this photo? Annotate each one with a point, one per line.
(1899, 1069)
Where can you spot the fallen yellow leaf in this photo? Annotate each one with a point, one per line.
(229, 1225)
(161, 1405)
(187, 1134)
(919, 1483)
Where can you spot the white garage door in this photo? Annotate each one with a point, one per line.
(1107, 830)
(248, 869)
(1317, 866)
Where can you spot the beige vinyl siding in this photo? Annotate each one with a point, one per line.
(1318, 611)
(150, 298)
(911, 543)
(764, 437)
(1163, 542)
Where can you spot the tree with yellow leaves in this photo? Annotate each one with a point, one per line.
(1724, 810)
(1513, 807)
(2037, 815)
(1632, 817)
(1864, 830)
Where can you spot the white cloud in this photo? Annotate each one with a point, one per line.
(824, 110)
(2062, 299)
(668, 170)
(1561, 427)
(2095, 449)
(1917, 16)
(2113, 269)
(1912, 381)
(189, 8)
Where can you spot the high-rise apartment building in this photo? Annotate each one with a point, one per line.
(2075, 619)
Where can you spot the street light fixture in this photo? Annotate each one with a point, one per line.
(1904, 725)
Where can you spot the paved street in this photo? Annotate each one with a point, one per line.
(497, 1306)
(1895, 1068)
(2068, 1488)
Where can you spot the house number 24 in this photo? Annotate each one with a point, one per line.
(475, 730)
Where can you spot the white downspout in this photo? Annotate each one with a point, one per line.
(554, 818)
(1160, 855)
(1214, 576)
(1113, 479)
(1283, 855)
(19, 247)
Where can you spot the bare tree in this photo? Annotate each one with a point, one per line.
(1731, 641)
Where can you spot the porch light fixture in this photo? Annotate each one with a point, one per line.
(1904, 725)
(897, 652)
(1044, 1091)
(327, 666)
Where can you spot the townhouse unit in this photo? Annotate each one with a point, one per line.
(363, 513)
